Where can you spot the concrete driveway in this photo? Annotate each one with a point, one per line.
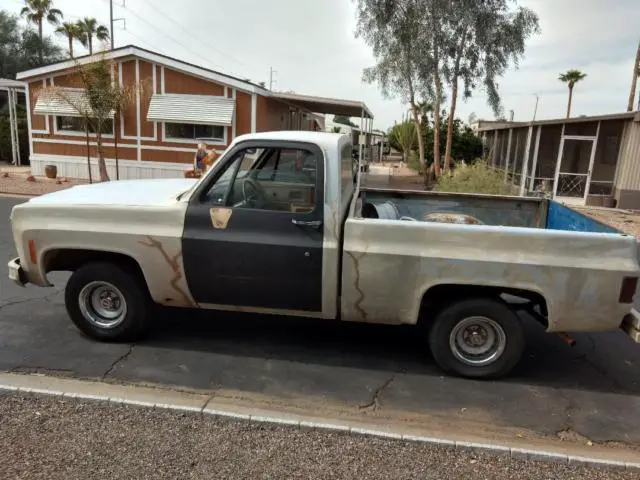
(592, 389)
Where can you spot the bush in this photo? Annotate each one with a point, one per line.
(414, 162)
(475, 178)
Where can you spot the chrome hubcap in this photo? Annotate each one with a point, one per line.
(102, 304)
(477, 341)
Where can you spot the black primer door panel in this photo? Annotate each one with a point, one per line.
(260, 259)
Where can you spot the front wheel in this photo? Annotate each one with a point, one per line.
(477, 338)
(107, 302)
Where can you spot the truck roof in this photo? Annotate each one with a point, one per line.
(323, 139)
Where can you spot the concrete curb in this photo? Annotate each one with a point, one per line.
(19, 195)
(199, 404)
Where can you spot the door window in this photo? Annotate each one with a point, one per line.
(276, 179)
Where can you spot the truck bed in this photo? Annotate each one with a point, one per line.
(486, 209)
(575, 264)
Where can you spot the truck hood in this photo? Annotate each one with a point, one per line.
(123, 192)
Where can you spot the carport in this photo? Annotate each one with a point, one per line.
(13, 88)
(334, 106)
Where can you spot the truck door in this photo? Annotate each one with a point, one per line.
(253, 229)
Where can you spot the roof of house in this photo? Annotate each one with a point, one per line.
(504, 125)
(134, 51)
(314, 104)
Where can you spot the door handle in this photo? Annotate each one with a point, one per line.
(303, 223)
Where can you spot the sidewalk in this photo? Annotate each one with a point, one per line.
(66, 438)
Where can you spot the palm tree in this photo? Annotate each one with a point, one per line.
(571, 77)
(35, 11)
(73, 32)
(91, 28)
(424, 109)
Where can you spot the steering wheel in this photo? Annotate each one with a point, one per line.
(252, 193)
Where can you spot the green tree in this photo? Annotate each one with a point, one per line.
(101, 102)
(20, 48)
(10, 37)
(90, 28)
(403, 138)
(36, 11)
(343, 120)
(425, 108)
(571, 77)
(483, 39)
(73, 32)
(398, 33)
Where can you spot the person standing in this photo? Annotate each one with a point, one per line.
(199, 158)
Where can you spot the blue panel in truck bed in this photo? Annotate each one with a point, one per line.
(561, 217)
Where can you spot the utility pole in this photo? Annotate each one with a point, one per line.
(112, 20)
(271, 72)
(634, 81)
(535, 110)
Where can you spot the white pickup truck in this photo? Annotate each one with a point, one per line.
(280, 225)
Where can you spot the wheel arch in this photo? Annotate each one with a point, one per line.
(71, 259)
(436, 297)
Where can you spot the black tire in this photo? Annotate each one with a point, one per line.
(452, 316)
(128, 283)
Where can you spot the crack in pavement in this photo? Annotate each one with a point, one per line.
(374, 404)
(206, 404)
(616, 384)
(46, 298)
(118, 360)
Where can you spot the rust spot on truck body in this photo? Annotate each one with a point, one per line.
(174, 265)
(358, 303)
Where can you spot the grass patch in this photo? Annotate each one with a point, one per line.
(475, 178)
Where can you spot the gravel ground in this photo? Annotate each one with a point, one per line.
(624, 220)
(17, 183)
(47, 437)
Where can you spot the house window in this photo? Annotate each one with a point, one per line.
(76, 125)
(188, 131)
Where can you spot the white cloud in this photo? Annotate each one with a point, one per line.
(312, 47)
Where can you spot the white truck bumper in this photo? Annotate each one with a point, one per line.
(16, 273)
(631, 325)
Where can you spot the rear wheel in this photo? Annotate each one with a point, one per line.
(477, 338)
(108, 302)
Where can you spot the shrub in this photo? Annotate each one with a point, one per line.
(475, 178)
(414, 162)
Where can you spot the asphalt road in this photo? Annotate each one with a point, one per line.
(592, 389)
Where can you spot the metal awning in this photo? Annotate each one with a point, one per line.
(64, 102)
(197, 109)
(333, 106)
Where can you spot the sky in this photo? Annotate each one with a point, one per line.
(311, 47)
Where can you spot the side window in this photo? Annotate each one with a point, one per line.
(221, 189)
(276, 179)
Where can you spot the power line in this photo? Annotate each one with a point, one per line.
(157, 9)
(168, 36)
(139, 38)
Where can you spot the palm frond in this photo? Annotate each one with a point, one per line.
(102, 33)
(54, 16)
